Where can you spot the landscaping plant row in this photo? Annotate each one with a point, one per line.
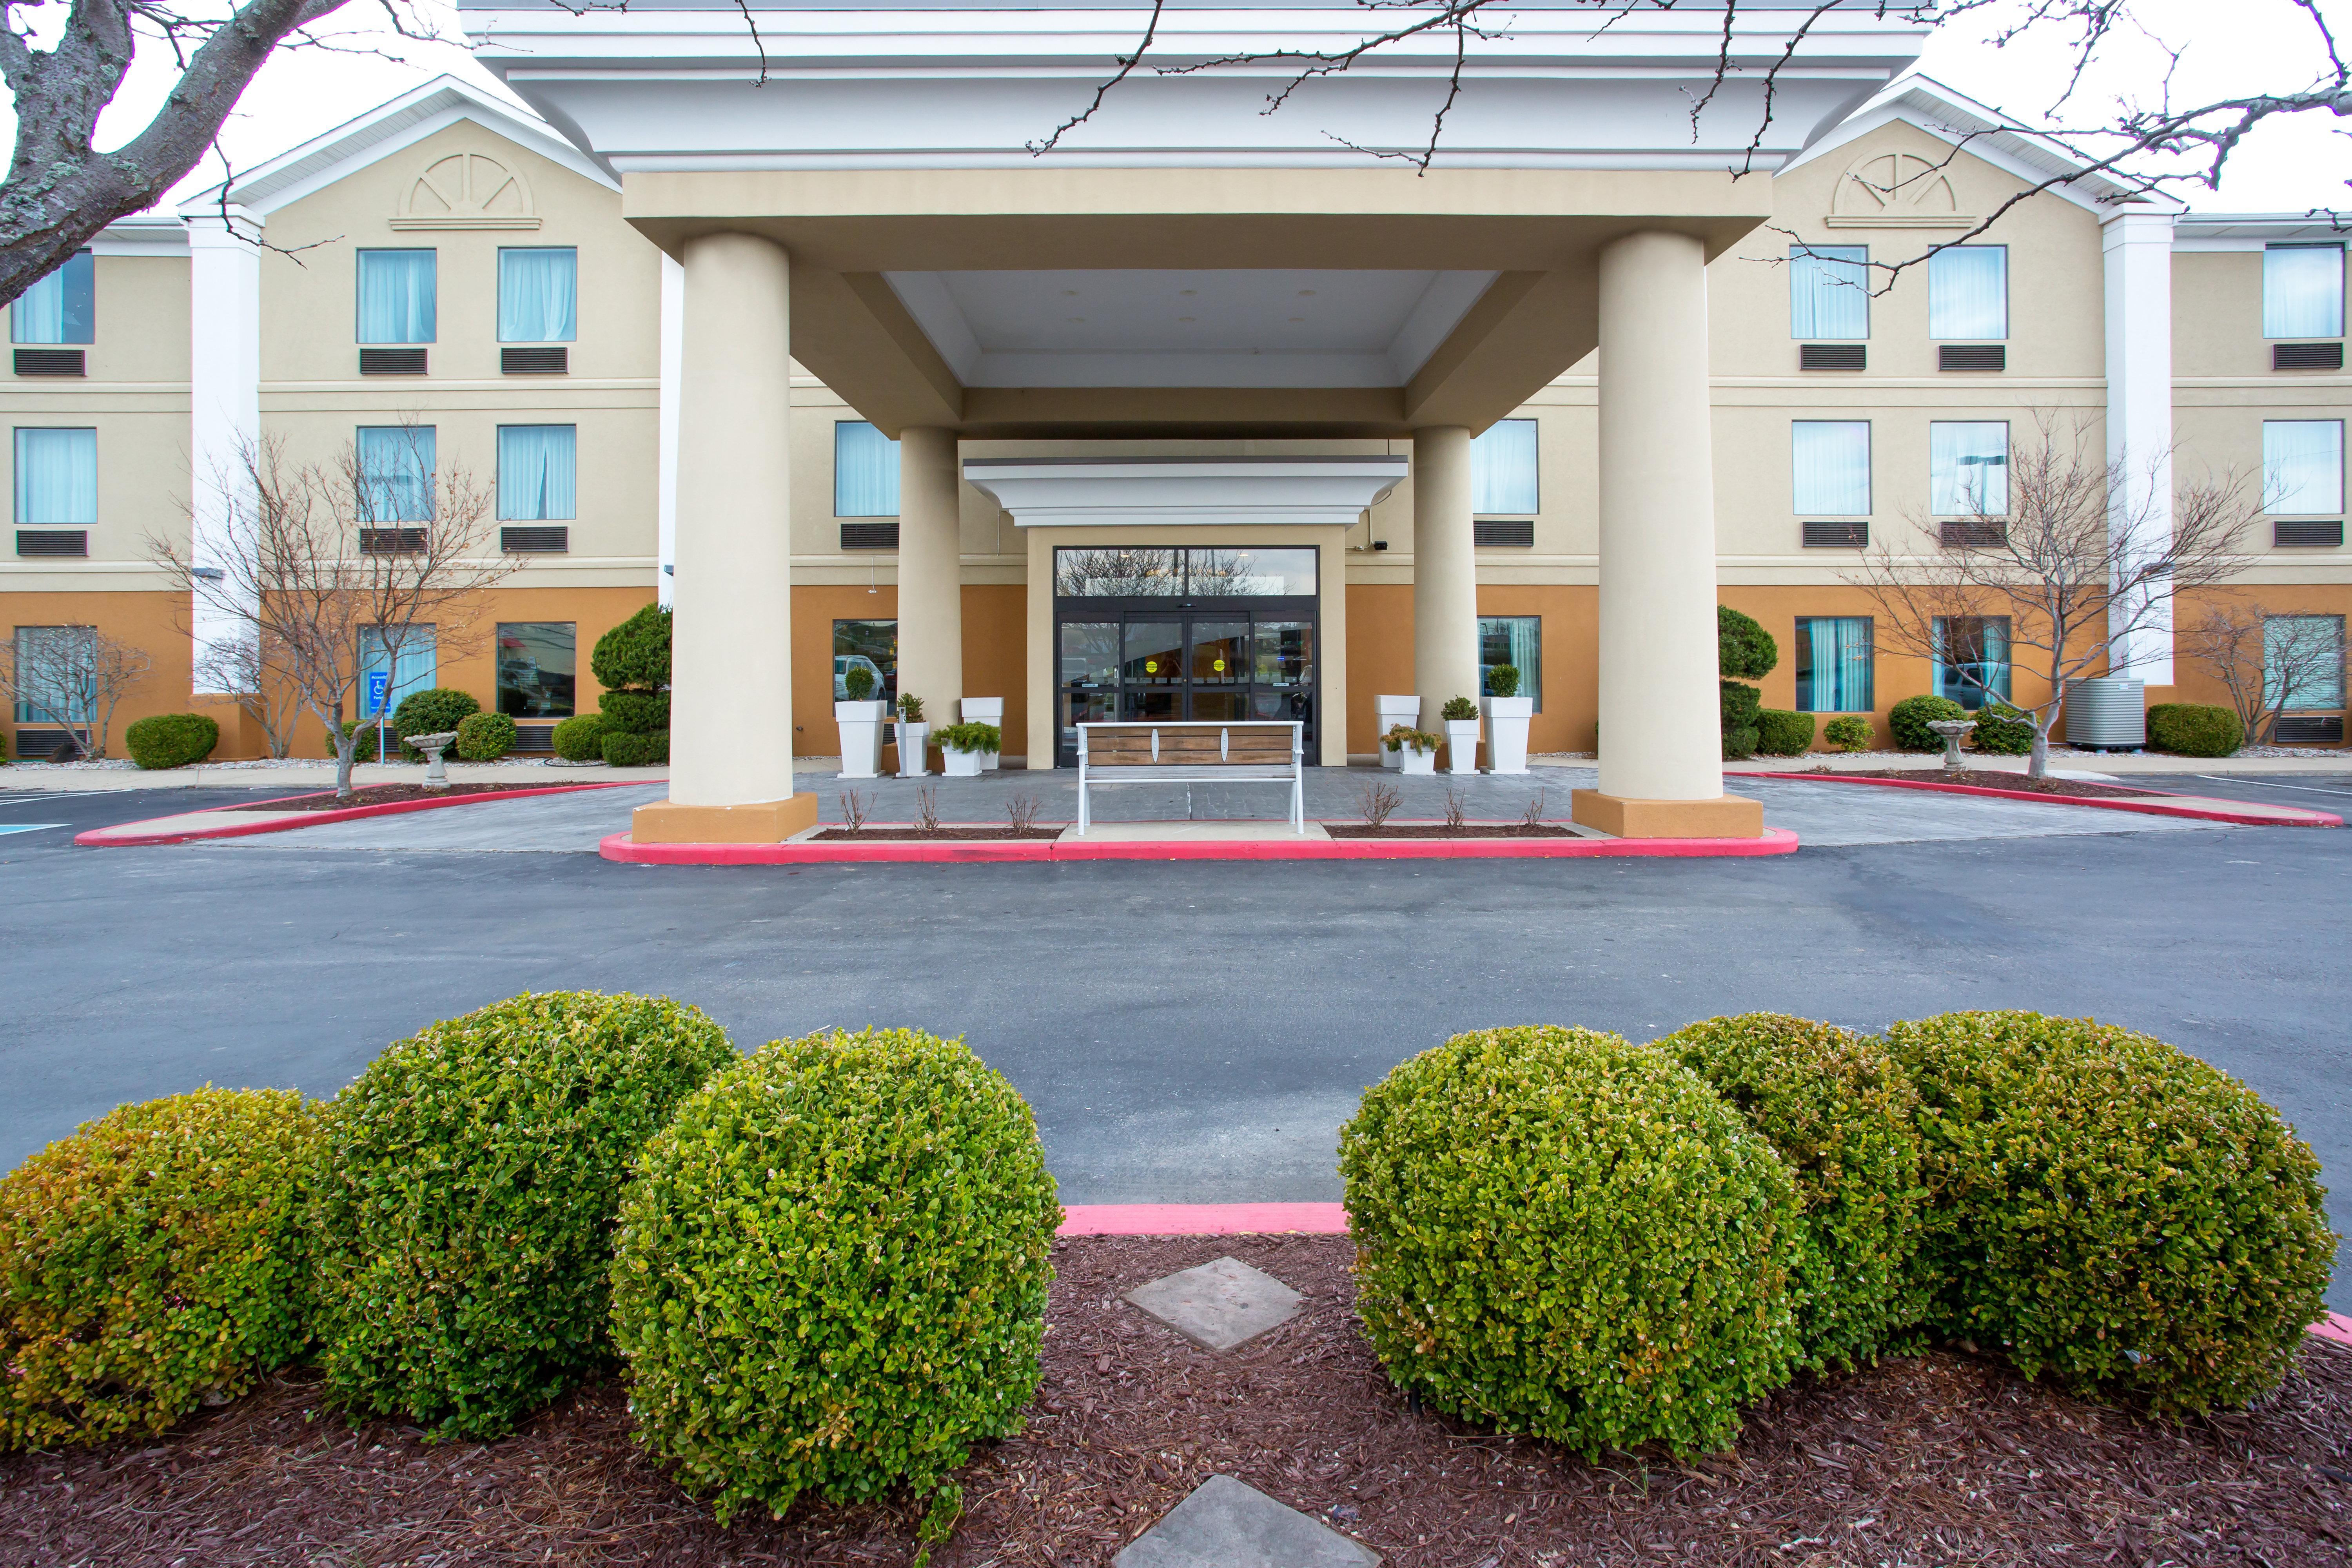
(824, 1266)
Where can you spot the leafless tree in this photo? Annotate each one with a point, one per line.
(2078, 566)
(72, 677)
(260, 681)
(2268, 661)
(305, 560)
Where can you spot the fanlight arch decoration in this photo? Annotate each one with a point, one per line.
(1897, 190)
(466, 190)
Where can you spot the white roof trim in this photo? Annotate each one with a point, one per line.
(1143, 492)
(147, 234)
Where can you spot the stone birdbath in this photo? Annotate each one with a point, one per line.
(436, 776)
(1954, 731)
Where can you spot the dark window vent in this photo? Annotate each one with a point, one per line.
(535, 541)
(1833, 356)
(1973, 533)
(51, 745)
(2306, 356)
(392, 541)
(1503, 532)
(869, 535)
(553, 361)
(2306, 730)
(52, 542)
(1972, 356)
(534, 739)
(392, 361)
(1854, 535)
(2305, 531)
(50, 362)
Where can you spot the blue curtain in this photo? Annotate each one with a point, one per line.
(412, 672)
(1828, 292)
(2303, 466)
(536, 480)
(1503, 469)
(2303, 291)
(539, 293)
(396, 297)
(1518, 641)
(1968, 292)
(1830, 466)
(1835, 653)
(1968, 468)
(396, 466)
(865, 471)
(60, 308)
(56, 477)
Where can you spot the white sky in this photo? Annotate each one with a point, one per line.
(2226, 48)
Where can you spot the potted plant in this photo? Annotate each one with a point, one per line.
(1396, 709)
(964, 748)
(860, 720)
(1507, 713)
(1415, 749)
(1461, 717)
(985, 710)
(914, 736)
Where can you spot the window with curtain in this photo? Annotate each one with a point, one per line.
(1828, 292)
(872, 645)
(61, 308)
(2303, 291)
(1968, 292)
(2303, 466)
(2308, 651)
(396, 467)
(56, 477)
(1968, 468)
(57, 675)
(411, 670)
(536, 481)
(1503, 471)
(536, 667)
(865, 471)
(1515, 640)
(1972, 659)
(1830, 466)
(538, 293)
(398, 296)
(1833, 665)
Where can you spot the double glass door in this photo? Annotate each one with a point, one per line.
(1230, 663)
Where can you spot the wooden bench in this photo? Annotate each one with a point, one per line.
(1199, 751)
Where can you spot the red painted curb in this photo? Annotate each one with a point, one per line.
(2301, 816)
(112, 838)
(2336, 1328)
(1203, 1219)
(1776, 841)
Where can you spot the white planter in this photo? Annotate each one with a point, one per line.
(962, 764)
(1506, 732)
(861, 737)
(1410, 761)
(1462, 745)
(913, 741)
(984, 711)
(1392, 711)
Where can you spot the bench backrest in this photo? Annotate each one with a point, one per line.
(1187, 745)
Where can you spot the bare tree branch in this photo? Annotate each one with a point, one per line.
(2269, 662)
(72, 677)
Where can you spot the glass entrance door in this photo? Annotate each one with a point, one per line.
(1227, 664)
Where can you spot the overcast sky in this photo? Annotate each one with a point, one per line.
(2227, 48)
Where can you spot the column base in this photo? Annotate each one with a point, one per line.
(1724, 816)
(764, 821)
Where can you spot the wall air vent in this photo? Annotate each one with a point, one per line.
(2293, 730)
(535, 540)
(392, 361)
(52, 542)
(2308, 533)
(392, 542)
(1832, 356)
(549, 360)
(869, 535)
(1973, 533)
(1972, 356)
(534, 739)
(50, 362)
(1503, 532)
(2306, 356)
(1852, 534)
(51, 745)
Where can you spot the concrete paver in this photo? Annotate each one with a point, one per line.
(1219, 1304)
(1225, 1523)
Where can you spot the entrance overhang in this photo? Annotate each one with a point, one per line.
(1087, 492)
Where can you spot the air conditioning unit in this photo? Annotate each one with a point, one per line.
(50, 362)
(2303, 533)
(1503, 532)
(537, 360)
(1853, 533)
(534, 538)
(1833, 356)
(2306, 356)
(38, 541)
(2106, 713)
(1979, 357)
(392, 361)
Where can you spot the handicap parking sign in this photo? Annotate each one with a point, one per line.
(379, 686)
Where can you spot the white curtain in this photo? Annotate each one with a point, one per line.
(396, 297)
(1503, 469)
(396, 466)
(411, 672)
(1828, 292)
(1968, 468)
(865, 471)
(59, 308)
(2303, 466)
(536, 472)
(2303, 291)
(56, 477)
(1837, 650)
(58, 669)
(1968, 292)
(1830, 466)
(538, 295)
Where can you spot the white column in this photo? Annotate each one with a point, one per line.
(225, 421)
(672, 357)
(1444, 572)
(2138, 253)
(930, 572)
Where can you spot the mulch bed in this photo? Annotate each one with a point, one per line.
(1439, 830)
(381, 795)
(1988, 778)
(917, 836)
(1937, 1459)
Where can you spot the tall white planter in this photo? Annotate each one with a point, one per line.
(1462, 745)
(1506, 732)
(913, 739)
(983, 710)
(861, 737)
(1394, 712)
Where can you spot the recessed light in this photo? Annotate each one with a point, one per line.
(1297, 317)
(1303, 293)
(1069, 293)
(1188, 318)
(1187, 293)
(1077, 318)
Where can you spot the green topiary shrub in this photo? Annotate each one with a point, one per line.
(1780, 733)
(1838, 1110)
(1744, 650)
(1458, 710)
(634, 655)
(2110, 1211)
(857, 683)
(1909, 719)
(579, 738)
(1503, 680)
(2001, 730)
(1742, 705)
(2194, 729)
(635, 712)
(636, 751)
(363, 746)
(150, 1260)
(880, 1271)
(973, 736)
(462, 1236)
(172, 740)
(435, 711)
(1848, 734)
(1568, 1237)
(485, 737)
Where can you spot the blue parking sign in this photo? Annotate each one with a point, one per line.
(379, 687)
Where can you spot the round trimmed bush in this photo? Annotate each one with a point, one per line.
(2194, 729)
(2111, 1211)
(1744, 650)
(634, 655)
(635, 712)
(150, 1261)
(172, 740)
(462, 1234)
(363, 746)
(870, 1217)
(636, 751)
(1909, 719)
(579, 738)
(485, 737)
(1571, 1237)
(1739, 707)
(1838, 1110)
(2002, 731)
(1849, 733)
(435, 711)
(1780, 733)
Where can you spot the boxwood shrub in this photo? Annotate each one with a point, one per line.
(462, 1234)
(1739, 705)
(579, 738)
(2194, 729)
(634, 655)
(436, 710)
(1847, 732)
(150, 1260)
(1839, 1111)
(831, 1271)
(636, 751)
(1780, 733)
(172, 740)
(1909, 719)
(485, 737)
(2110, 1211)
(635, 712)
(1565, 1236)
(2002, 731)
